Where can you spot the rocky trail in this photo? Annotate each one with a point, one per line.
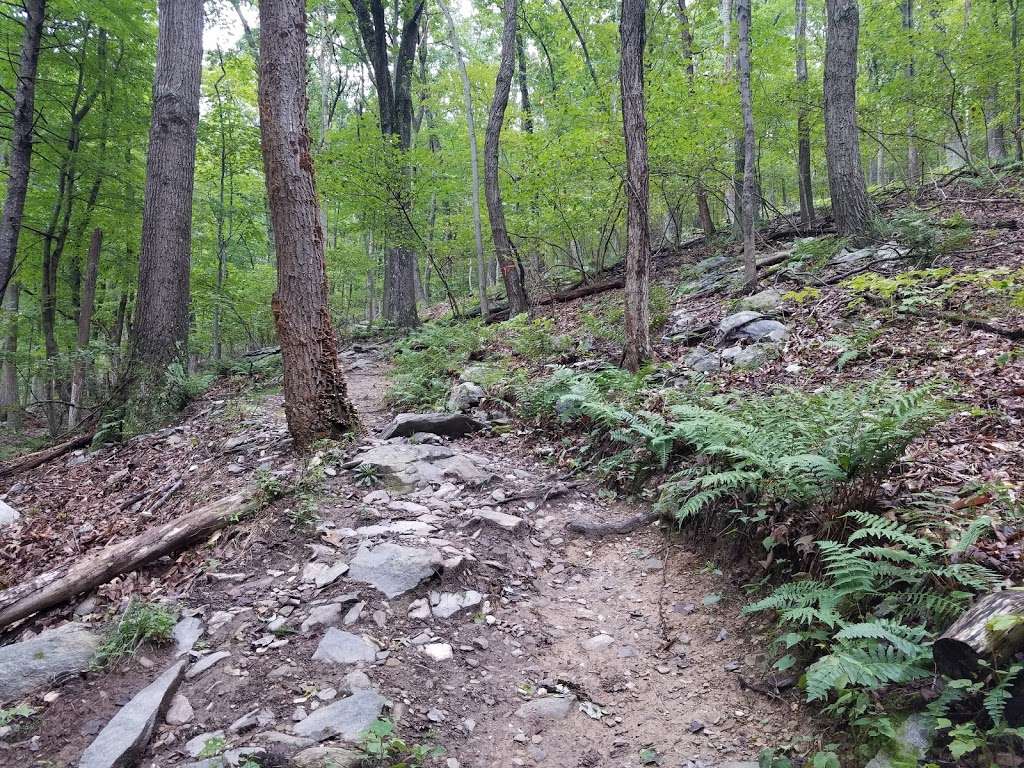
(436, 586)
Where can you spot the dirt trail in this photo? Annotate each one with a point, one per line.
(567, 652)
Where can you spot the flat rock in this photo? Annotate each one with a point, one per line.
(438, 651)
(123, 740)
(346, 718)
(180, 711)
(323, 574)
(764, 330)
(8, 514)
(735, 321)
(597, 642)
(404, 466)
(444, 424)
(197, 744)
(36, 662)
(449, 603)
(335, 757)
(547, 709)
(500, 519)
(394, 569)
(186, 633)
(703, 361)
(204, 663)
(327, 615)
(765, 301)
(343, 647)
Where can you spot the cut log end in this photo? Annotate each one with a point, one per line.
(972, 638)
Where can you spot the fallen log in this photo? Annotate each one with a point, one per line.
(37, 459)
(56, 587)
(975, 637)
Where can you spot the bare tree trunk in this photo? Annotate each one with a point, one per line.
(851, 207)
(524, 90)
(10, 404)
(995, 134)
(728, 65)
(632, 39)
(85, 326)
(707, 223)
(160, 333)
(222, 253)
(116, 333)
(511, 269)
(1018, 135)
(474, 162)
(316, 397)
(582, 41)
(913, 156)
(20, 159)
(749, 145)
(803, 129)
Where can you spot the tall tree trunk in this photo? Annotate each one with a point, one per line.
(729, 65)
(707, 223)
(20, 158)
(524, 89)
(316, 397)
(85, 312)
(851, 207)
(511, 269)
(474, 162)
(995, 133)
(632, 39)
(160, 332)
(803, 129)
(1018, 136)
(222, 251)
(909, 71)
(582, 41)
(749, 145)
(10, 405)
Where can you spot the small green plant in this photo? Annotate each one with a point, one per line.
(855, 346)
(387, 750)
(141, 622)
(180, 387)
(21, 711)
(366, 475)
(213, 747)
(816, 252)
(806, 294)
(270, 486)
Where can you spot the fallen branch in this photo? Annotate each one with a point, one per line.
(545, 492)
(37, 459)
(630, 524)
(1013, 334)
(56, 587)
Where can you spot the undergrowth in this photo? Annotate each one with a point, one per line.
(140, 623)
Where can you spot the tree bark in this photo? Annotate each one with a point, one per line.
(582, 41)
(707, 223)
(20, 158)
(10, 404)
(851, 207)
(749, 146)
(474, 162)
(316, 397)
(969, 640)
(524, 89)
(511, 269)
(803, 129)
(84, 326)
(632, 40)
(160, 332)
(913, 156)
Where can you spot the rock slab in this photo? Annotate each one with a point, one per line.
(346, 718)
(394, 569)
(405, 466)
(36, 662)
(125, 737)
(444, 424)
(343, 647)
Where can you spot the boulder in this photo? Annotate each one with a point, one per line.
(36, 662)
(404, 467)
(764, 330)
(766, 301)
(465, 395)
(346, 718)
(8, 514)
(749, 358)
(123, 740)
(329, 757)
(394, 569)
(444, 424)
(735, 321)
(702, 360)
(343, 647)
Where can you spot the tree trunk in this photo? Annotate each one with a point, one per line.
(316, 398)
(511, 269)
(84, 326)
(1018, 135)
(969, 640)
(995, 135)
(707, 223)
(19, 160)
(803, 129)
(851, 208)
(160, 332)
(913, 156)
(749, 146)
(10, 404)
(524, 89)
(474, 162)
(632, 39)
(582, 41)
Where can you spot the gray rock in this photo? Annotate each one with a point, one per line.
(711, 263)
(750, 357)
(332, 757)
(328, 615)
(394, 569)
(343, 647)
(404, 466)
(180, 711)
(357, 680)
(735, 321)
(8, 514)
(465, 395)
(765, 301)
(445, 424)
(36, 662)
(597, 642)
(547, 709)
(499, 519)
(203, 663)
(682, 323)
(229, 759)
(760, 330)
(448, 604)
(346, 718)
(123, 740)
(476, 374)
(197, 744)
(913, 739)
(186, 633)
(703, 361)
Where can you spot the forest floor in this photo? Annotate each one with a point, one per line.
(516, 642)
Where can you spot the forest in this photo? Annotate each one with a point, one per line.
(561, 383)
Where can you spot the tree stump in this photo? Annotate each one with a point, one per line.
(970, 639)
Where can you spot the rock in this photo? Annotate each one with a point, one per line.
(394, 569)
(204, 663)
(327, 615)
(749, 358)
(246, 722)
(343, 647)
(465, 395)
(322, 574)
(328, 757)
(197, 744)
(346, 718)
(123, 740)
(912, 741)
(231, 758)
(186, 632)
(444, 424)
(766, 301)
(357, 680)
(703, 361)
(8, 514)
(354, 613)
(405, 467)
(711, 263)
(180, 711)
(597, 642)
(735, 321)
(681, 323)
(36, 662)
(86, 607)
(547, 709)
(419, 609)
(500, 519)
(438, 651)
(449, 604)
(759, 330)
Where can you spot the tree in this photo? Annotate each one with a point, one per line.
(749, 146)
(632, 37)
(508, 261)
(851, 208)
(803, 129)
(88, 304)
(707, 223)
(394, 97)
(160, 333)
(19, 162)
(316, 397)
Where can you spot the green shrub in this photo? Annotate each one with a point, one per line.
(425, 362)
(141, 622)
